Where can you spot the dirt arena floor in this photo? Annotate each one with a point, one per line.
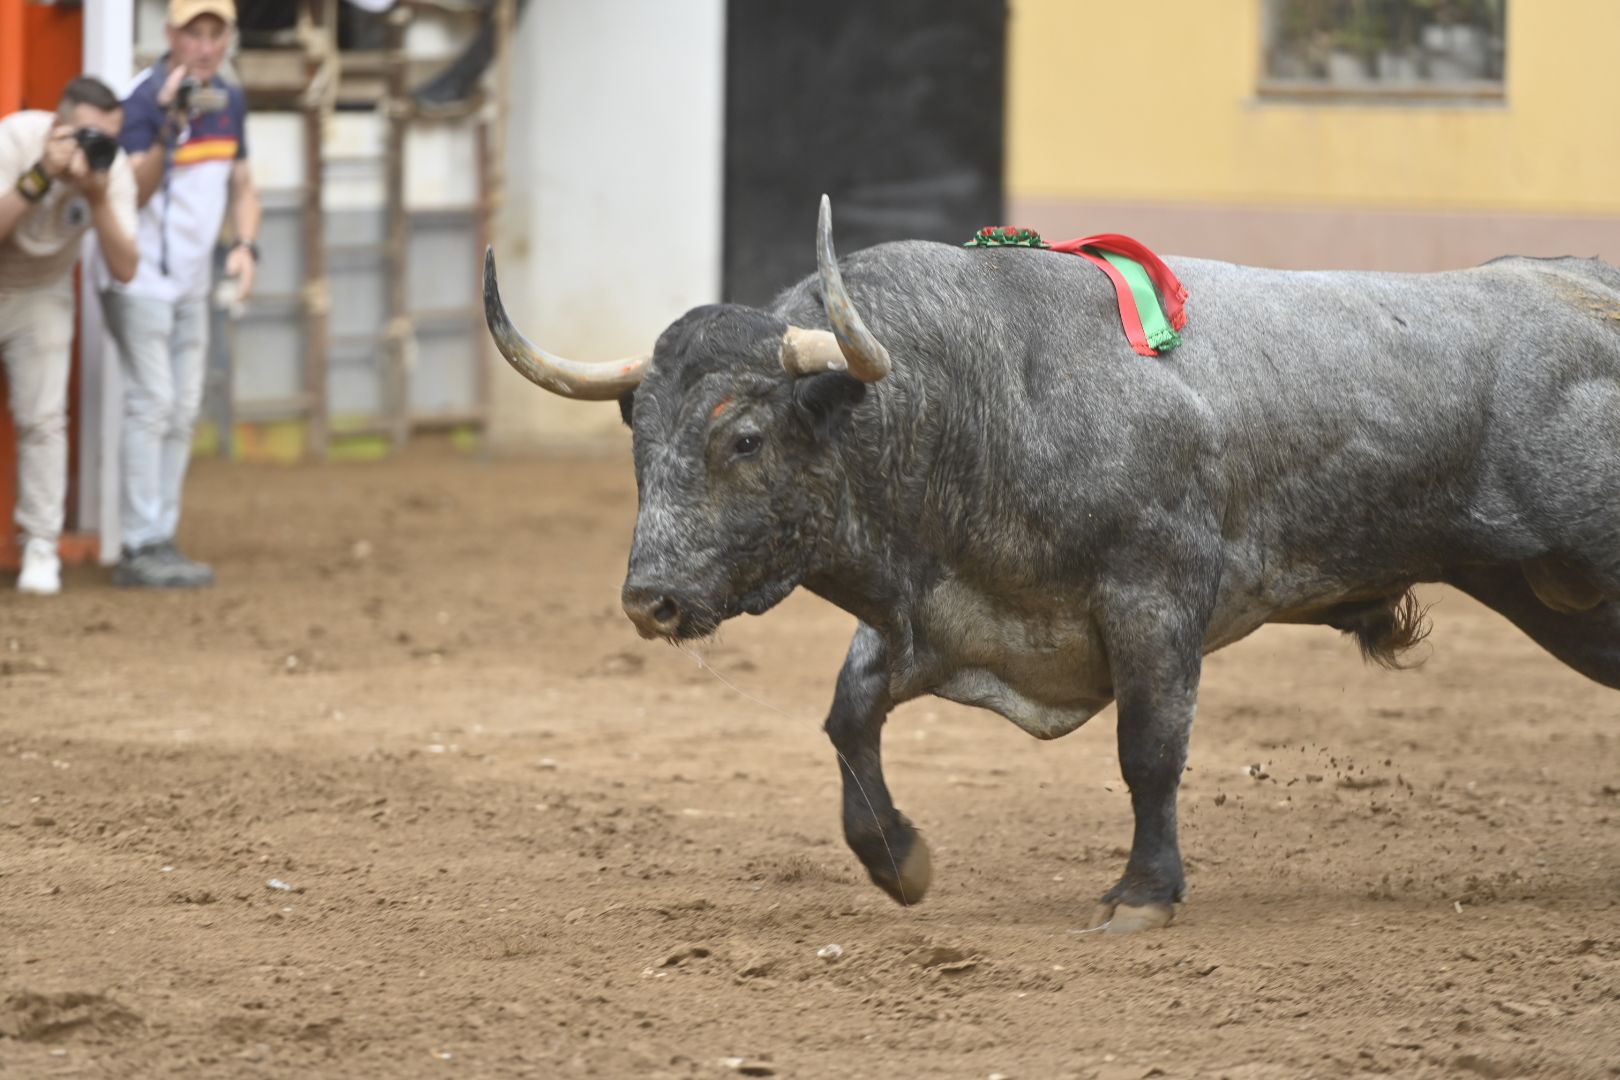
(406, 796)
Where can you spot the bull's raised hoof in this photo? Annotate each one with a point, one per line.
(904, 868)
(1130, 918)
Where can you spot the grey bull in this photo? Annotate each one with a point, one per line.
(959, 447)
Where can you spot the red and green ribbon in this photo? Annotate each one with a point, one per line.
(1152, 300)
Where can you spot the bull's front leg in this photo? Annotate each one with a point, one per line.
(1155, 664)
(893, 852)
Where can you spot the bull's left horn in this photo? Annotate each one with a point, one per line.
(560, 375)
(868, 359)
(806, 352)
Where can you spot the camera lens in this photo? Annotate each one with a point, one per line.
(99, 148)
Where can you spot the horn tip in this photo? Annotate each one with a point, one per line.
(494, 311)
(824, 240)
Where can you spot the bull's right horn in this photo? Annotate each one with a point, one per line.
(868, 359)
(570, 378)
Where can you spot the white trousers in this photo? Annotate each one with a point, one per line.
(36, 339)
(163, 346)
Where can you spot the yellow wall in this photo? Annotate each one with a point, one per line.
(1092, 115)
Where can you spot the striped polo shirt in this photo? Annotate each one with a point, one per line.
(180, 225)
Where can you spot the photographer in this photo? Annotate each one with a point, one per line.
(185, 131)
(61, 175)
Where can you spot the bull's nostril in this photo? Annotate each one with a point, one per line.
(655, 611)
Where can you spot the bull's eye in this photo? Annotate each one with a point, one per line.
(747, 445)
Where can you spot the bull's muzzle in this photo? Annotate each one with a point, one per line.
(656, 612)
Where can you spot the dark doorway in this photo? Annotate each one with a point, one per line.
(894, 109)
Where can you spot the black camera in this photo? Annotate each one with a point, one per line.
(100, 149)
(197, 97)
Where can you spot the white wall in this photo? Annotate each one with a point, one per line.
(611, 227)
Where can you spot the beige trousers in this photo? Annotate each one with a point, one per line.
(36, 339)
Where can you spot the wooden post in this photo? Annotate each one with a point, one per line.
(400, 335)
(320, 71)
(493, 152)
(484, 218)
(505, 32)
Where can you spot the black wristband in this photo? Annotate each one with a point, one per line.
(33, 184)
(252, 248)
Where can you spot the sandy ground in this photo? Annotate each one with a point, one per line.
(520, 841)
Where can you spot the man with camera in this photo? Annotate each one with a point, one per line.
(185, 131)
(61, 175)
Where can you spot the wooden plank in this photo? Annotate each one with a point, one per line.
(277, 72)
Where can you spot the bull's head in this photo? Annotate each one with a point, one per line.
(735, 416)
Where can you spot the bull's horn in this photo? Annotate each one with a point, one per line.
(805, 352)
(868, 359)
(570, 378)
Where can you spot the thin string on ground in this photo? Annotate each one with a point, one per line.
(703, 663)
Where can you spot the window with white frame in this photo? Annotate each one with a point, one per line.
(1384, 48)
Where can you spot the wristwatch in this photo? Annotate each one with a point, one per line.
(33, 184)
(252, 248)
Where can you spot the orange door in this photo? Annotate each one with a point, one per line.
(41, 50)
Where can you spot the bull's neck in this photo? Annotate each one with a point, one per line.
(927, 467)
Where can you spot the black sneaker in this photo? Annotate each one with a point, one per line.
(192, 574)
(146, 568)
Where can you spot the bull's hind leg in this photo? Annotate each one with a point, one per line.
(893, 852)
(1587, 640)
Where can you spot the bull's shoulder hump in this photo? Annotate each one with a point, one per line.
(1573, 264)
(1589, 278)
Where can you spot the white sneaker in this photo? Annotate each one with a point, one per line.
(41, 569)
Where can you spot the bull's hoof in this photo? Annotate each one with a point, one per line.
(1131, 918)
(908, 854)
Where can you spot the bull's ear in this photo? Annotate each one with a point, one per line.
(627, 406)
(824, 401)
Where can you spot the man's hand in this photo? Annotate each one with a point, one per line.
(241, 265)
(91, 184)
(171, 87)
(117, 246)
(149, 163)
(60, 151)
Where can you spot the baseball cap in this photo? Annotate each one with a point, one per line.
(182, 12)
